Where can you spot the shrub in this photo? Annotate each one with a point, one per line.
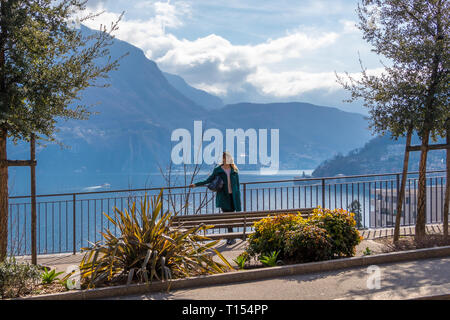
(149, 247)
(308, 243)
(48, 277)
(269, 235)
(324, 235)
(241, 260)
(367, 252)
(17, 279)
(341, 228)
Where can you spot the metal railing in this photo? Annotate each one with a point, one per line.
(68, 222)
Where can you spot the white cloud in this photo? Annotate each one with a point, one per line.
(164, 15)
(281, 67)
(293, 83)
(214, 64)
(349, 26)
(291, 46)
(169, 15)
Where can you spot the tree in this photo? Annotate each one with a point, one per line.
(355, 207)
(412, 93)
(401, 192)
(45, 63)
(447, 185)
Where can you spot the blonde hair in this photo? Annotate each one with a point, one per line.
(229, 159)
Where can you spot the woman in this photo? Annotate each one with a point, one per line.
(229, 198)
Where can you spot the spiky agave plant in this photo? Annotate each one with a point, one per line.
(149, 247)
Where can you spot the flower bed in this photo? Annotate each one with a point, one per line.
(148, 248)
(409, 243)
(18, 279)
(280, 240)
(287, 239)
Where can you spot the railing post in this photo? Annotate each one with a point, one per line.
(323, 193)
(162, 202)
(245, 196)
(398, 191)
(398, 182)
(245, 211)
(74, 224)
(33, 201)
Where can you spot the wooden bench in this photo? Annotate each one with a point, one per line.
(232, 220)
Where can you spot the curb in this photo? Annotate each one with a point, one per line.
(436, 297)
(247, 275)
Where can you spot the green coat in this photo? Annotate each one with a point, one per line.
(222, 195)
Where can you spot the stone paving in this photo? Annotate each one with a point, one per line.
(397, 281)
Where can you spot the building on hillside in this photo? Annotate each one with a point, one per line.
(383, 206)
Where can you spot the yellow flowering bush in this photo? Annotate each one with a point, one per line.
(326, 234)
(269, 235)
(340, 225)
(307, 243)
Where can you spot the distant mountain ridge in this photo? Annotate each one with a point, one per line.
(307, 132)
(200, 97)
(379, 155)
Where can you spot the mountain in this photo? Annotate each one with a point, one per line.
(321, 97)
(200, 97)
(129, 140)
(308, 133)
(380, 155)
(130, 134)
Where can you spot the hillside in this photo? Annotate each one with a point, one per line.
(200, 97)
(308, 133)
(379, 155)
(129, 139)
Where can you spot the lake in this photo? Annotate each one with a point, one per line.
(63, 222)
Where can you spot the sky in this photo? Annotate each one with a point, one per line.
(252, 51)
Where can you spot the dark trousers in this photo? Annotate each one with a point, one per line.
(232, 208)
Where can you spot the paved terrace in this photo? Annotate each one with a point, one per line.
(62, 261)
(398, 281)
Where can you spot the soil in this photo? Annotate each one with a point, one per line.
(384, 245)
(409, 243)
(42, 289)
(49, 288)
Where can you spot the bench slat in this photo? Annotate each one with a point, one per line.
(232, 220)
(240, 214)
(220, 223)
(231, 235)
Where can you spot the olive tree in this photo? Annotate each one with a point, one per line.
(412, 93)
(45, 63)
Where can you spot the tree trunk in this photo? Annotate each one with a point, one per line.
(33, 201)
(422, 192)
(447, 185)
(401, 193)
(3, 195)
(3, 138)
(428, 126)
